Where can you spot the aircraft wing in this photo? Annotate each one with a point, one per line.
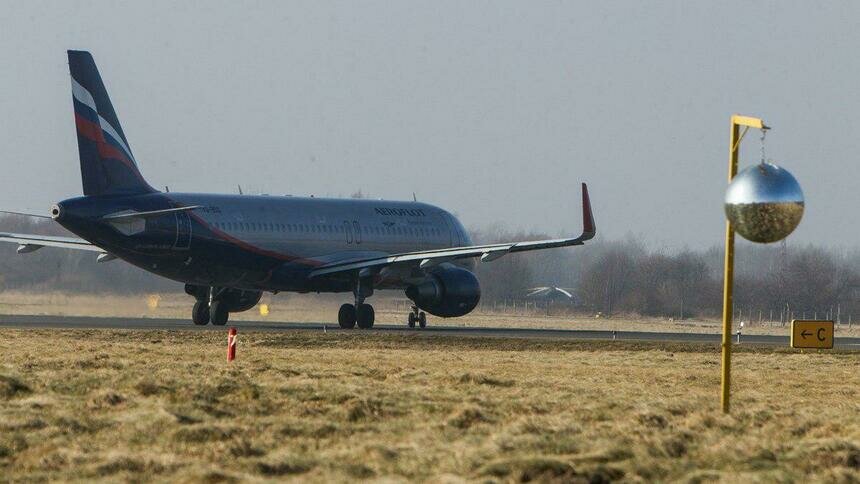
(29, 243)
(487, 253)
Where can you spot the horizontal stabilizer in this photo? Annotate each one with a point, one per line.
(29, 243)
(24, 214)
(128, 214)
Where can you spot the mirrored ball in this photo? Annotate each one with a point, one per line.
(764, 203)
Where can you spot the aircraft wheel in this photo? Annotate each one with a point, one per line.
(218, 314)
(200, 313)
(412, 320)
(346, 316)
(422, 319)
(364, 316)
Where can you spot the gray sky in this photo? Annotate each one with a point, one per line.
(494, 110)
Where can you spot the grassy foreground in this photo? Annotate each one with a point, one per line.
(118, 405)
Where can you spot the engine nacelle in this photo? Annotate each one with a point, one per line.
(448, 292)
(238, 300)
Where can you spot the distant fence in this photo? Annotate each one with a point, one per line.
(784, 316)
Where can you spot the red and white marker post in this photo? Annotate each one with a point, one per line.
(231, 344)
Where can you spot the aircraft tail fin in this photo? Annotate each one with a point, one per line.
(108, 166)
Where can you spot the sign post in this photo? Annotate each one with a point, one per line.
(729, 261)
(808, 333)
(231, 344)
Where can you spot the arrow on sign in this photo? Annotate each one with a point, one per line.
(805, 333)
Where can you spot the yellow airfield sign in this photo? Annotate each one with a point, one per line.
(806, 333)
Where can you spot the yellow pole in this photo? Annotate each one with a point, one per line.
(728, 279)
(729, 265)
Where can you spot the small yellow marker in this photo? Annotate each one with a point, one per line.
(264, 309)
(152, 301)
(808, 333)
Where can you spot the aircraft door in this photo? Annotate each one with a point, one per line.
(357, 228)
(347, 230)
(183, 230)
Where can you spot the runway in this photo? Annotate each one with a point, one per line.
(85, 322)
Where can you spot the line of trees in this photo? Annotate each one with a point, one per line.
(777, 281)
(609, 277)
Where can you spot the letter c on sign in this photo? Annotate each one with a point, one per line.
(820, 335)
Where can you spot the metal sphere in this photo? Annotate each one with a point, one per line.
(764, 203)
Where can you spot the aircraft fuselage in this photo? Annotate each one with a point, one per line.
(268, 243)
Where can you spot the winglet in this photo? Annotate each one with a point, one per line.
(589, 229)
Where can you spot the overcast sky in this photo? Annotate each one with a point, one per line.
(494, 110)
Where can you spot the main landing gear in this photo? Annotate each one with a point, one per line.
(210, 309)
(360, 313)
(214, 304)
(417, 316)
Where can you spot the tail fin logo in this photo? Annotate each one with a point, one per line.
(93, 126)
(108, 166)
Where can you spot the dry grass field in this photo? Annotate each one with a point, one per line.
(314, 308)
(107, 405)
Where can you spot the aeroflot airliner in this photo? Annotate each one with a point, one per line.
(229, 249)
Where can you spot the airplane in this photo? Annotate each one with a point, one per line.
(229, 249)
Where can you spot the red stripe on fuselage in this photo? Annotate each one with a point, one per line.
(252, 248)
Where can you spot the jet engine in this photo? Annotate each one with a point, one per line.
(447, 292)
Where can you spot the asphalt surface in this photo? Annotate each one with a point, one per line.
(85, 322)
